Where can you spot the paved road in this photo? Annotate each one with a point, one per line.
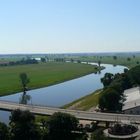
(85, 115)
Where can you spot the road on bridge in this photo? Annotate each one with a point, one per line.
(84, 115)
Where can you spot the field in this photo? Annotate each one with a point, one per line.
(40, 75)
(125, 61)
(85, 103)
(129, 61)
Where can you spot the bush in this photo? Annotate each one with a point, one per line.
(98, 135)
(4, 132)
(61, 125)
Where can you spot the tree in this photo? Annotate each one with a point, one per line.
(125, 81)
(71, 60)
(107, 79)
(115, 57)
(125, 70)
(134, 75)
(59, 59)
(43, 59)
(47, 58)
(61, 125)
(4, 132)
(110, 100)
(78, 61)
(112, 97)
(24, 99)
(23, 62)
(138, 62)
(128, 59)
(23, 127)
(24, 81)
(99, 63)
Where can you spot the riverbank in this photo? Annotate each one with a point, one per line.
(41, 75)
(128, 61)
(88, 102)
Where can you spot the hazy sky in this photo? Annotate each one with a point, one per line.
(58, 26)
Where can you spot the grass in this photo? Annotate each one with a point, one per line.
(121, 60)
(86, 102)
(40, 75)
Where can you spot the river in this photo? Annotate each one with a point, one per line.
(63, 93)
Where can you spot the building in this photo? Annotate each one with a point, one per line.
(132, 103)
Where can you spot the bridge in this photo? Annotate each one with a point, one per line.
(83, 115)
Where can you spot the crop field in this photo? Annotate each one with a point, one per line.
(40, 75)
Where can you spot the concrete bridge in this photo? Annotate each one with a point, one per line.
(83, 115)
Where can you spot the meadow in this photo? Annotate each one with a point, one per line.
(40, 75)
(129, 61)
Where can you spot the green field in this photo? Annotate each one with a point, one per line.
(121, 60)
(40, 75)
(86, 102)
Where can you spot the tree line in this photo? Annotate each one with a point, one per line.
(20, 62)
(23, 126)
(112, 98)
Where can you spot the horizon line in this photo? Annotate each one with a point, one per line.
(70, 53)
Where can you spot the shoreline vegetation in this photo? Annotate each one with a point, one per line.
(128, 61)
(90, 102)
(42, 75)
(86, 103)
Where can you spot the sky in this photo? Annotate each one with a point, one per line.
(69, 26)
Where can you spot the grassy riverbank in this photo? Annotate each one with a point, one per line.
(41, 75)
(128, 61)
(88, 102)
(124, 61)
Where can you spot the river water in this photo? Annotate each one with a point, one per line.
(63, 93)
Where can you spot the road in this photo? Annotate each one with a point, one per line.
(83, 115)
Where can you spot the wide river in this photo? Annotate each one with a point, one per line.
(63, 93)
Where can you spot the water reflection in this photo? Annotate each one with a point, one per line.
(63, 93)
(99, 72)
(24, 99)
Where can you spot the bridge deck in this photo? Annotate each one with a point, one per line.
(85, 115)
